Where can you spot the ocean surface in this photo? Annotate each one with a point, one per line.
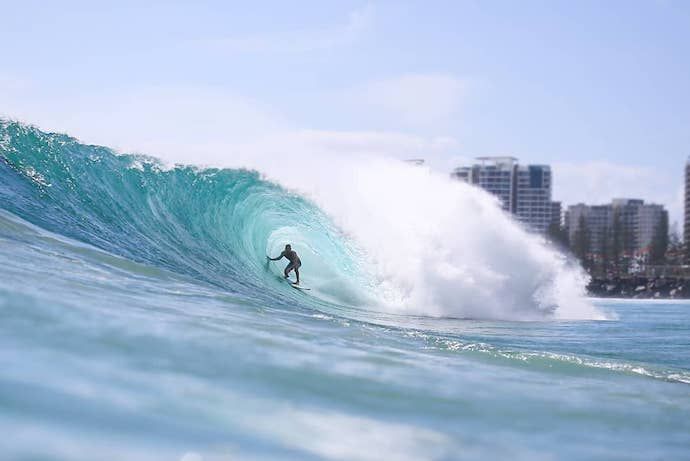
(139, 320)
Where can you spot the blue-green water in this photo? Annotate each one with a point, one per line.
(139, 321)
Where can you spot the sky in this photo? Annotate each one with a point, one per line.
(598, 90)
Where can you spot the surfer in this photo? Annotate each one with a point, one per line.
(291, 256)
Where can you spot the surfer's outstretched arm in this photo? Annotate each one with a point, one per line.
(276, 259)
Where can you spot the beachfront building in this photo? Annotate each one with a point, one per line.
(648, 219)
(597, 221)
(533, 196)
(556, 215)
(493, 174)
(523, 190)
(629, 225)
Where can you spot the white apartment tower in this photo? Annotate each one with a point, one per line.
(533, 196)
(493, 174)
(524, 190)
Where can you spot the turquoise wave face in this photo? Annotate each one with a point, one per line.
(216, 225)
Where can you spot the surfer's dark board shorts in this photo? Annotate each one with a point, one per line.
(293, 266)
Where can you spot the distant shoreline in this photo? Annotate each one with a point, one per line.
(640, 288)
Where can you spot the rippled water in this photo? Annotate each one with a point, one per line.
(104, 358)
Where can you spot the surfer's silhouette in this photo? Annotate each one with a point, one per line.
(295, 262)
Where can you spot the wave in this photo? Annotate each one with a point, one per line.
(373, 233)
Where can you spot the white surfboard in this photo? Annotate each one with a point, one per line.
(297, 287)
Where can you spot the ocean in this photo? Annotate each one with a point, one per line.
(140, 320)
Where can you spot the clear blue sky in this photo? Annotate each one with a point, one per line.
(586, 86)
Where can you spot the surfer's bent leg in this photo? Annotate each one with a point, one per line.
(297, 266)
(288, 268)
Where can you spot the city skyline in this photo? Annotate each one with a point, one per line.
(504, 171)
(584, 88)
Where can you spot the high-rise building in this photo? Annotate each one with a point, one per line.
(557, 215)
(647, 224)
(686, 230)
(523, 190)
(533, 196)
(493, 174)
(638, 222)
(632, 221)
(597, 221)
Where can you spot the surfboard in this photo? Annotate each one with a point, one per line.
(297, 287)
